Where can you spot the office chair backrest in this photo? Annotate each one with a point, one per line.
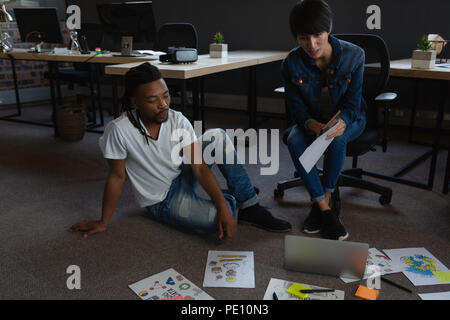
(93, 33)
(134, 19)
(374, 81)
(176, 35)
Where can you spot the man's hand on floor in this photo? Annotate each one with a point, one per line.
(227, 225)
(88, 227)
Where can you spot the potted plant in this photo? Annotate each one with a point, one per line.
(218, 49)
(423, 57)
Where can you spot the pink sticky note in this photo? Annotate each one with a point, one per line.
(174, 298)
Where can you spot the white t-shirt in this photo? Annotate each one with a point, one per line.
(150, 167)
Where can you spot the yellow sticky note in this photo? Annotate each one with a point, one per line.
(366, 293)
(443, 276)
(295, 290)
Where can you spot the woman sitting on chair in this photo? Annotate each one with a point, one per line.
(322, 76)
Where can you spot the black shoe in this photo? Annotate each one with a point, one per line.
(260, 217)
(332, 227)
(313, 222)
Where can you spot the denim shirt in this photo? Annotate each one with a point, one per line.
(303, 83)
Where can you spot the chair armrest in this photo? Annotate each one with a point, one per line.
(386, 96)
(385, 99)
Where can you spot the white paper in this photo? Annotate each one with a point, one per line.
(435, 296)
(377, 263)
(166, 284)
(150, 52)
(418, 264)
(280, 286)
(313, 153)
(231, 269)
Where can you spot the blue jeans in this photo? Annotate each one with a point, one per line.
(333, 162)
(183, 207)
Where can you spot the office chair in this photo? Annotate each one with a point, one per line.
(134, 18)
(374, 83)
(83, 74)
(178, 34)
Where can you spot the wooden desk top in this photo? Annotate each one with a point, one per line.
(206, 65)
(23, 54)
(402, 68)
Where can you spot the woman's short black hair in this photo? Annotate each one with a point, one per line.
(310, 17)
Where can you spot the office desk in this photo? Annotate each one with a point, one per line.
(109, 58)
(205, 66)
(402, 69)
(92, 58)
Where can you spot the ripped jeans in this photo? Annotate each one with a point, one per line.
(183, 207)
(334, 158)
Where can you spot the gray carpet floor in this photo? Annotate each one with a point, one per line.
(47, 184)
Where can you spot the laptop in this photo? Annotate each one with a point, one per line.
(328, 257)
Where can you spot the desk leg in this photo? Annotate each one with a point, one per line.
(437, 135)
(58, 83)
(116, 110)
(99, 93)
(183, 97)
(91, 88)
(16, 87)
(202, 99)
(447, 174)
(433, 152)
(413, 111)
(51, 71)
(251, 97)
(196, 102)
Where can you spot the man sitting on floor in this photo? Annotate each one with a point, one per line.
(140, 144)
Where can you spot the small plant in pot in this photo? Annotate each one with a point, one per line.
(423, 57)
(218, 49)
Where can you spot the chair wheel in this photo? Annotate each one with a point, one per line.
(278, 194)
(386, 199)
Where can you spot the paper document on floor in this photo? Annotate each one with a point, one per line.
(377, 264)
(232, 269)
(168, 284)
(419, 265)
(279, 287)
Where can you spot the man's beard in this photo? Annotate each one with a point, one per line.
(162, 116)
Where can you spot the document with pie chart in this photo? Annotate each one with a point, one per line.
(168, 285)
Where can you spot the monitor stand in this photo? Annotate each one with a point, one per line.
(38, 48)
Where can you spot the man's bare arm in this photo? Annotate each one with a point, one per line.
(113, 189)
(226, 223)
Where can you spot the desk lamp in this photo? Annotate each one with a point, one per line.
(5, 45)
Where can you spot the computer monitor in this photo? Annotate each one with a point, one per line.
(134, 19)
(38, 25)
